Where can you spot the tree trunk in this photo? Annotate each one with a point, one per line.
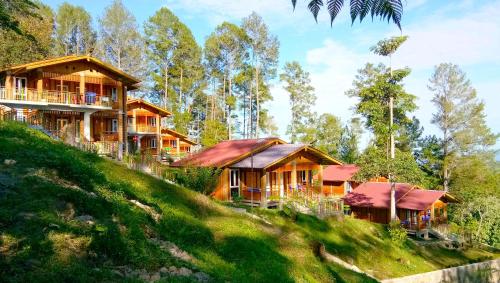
(180, 90)
(257, 97)
(229, 110)
(224, 97)
(446, 175)
(250, 113)
(166, 86)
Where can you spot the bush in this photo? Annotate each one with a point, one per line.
(199, 179)
(396, 232)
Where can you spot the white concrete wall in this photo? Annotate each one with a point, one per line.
(488, 271)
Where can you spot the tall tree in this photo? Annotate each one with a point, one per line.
(373, 87)
(226, 50)
(349, 141)
(384, 9)
(17, 48)
(298, 85)
(264, 52)
(10, 8)
(74, 34)
(175, 69)
(460, 117)
(120, 41)
(329, 133)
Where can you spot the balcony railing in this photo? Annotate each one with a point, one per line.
(55, 97)
(144, 129)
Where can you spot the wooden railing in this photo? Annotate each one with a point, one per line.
(141, 128)
(108, 148)
(54, 96)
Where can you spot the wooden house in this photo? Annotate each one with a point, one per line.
(416, 208)
(147, 135)
(77, 98)
(338, 179)
(261, 171)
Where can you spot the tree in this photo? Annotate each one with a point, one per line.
(373, 87)
(10, 9)
(265, 52)
(460, 117)
(74, 34)
(120, 42)
(226, 51)
(373, 163)
(329, 133)
(302, 98)
(17, 48)
(214, 132)
(349, 141)
(429, 156)
(175, 69)
(384, 9)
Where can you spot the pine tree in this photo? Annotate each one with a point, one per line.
(298, 85)
(460, 117)
(74, 34)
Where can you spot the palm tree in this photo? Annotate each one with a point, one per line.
(385, 9)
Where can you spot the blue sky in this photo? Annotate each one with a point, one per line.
(464, 32)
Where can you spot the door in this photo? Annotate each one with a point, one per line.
(21, 88)
(234, 182)
(61, 126)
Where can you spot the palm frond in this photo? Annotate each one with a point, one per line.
(294, 3)
(314, 6)
(356, 6)
(334, 7)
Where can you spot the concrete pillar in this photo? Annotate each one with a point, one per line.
(263, 189)
(86, 126)
(122, 131)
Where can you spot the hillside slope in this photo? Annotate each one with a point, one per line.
(67, 215)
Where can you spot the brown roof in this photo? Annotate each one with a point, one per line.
(141, 103)
(128, 79)
(226, 153)
(171, 132)
(278, 153)
(378, 195)
(339, 172)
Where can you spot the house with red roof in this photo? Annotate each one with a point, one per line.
(338, 179)
(262, 170)
(415, 207)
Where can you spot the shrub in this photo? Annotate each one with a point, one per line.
(199, 179)
(396, 232)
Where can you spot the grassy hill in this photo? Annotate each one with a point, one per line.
(67, 215)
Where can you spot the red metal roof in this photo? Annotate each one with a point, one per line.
(226, 152)
(340, 172)
(378, 195)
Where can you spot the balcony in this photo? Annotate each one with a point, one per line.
(141, 128)
(53, 99)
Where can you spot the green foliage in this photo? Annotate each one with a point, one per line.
(373, 87)
(386, 10)
(302, 98)
(387, 47)
(397, 233)
(74, 34)
(214, 132)
(199, 179)
(349, 141)
(329, 134)
(373, 163)
(429, 157)
(18, 48)
(10, 8)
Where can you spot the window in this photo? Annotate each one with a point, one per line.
(152, 121)
(234, 182)
(114, 125)
(114, 94)
(347, 187)
(152, 143)
(130, 120)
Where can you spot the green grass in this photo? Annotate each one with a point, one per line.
(50, 183)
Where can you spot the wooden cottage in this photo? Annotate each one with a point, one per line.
(147, 135)
(261, 171)
(416, 208)
(76, 98)
(337, 179)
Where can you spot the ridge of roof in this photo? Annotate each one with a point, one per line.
(140, 100)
